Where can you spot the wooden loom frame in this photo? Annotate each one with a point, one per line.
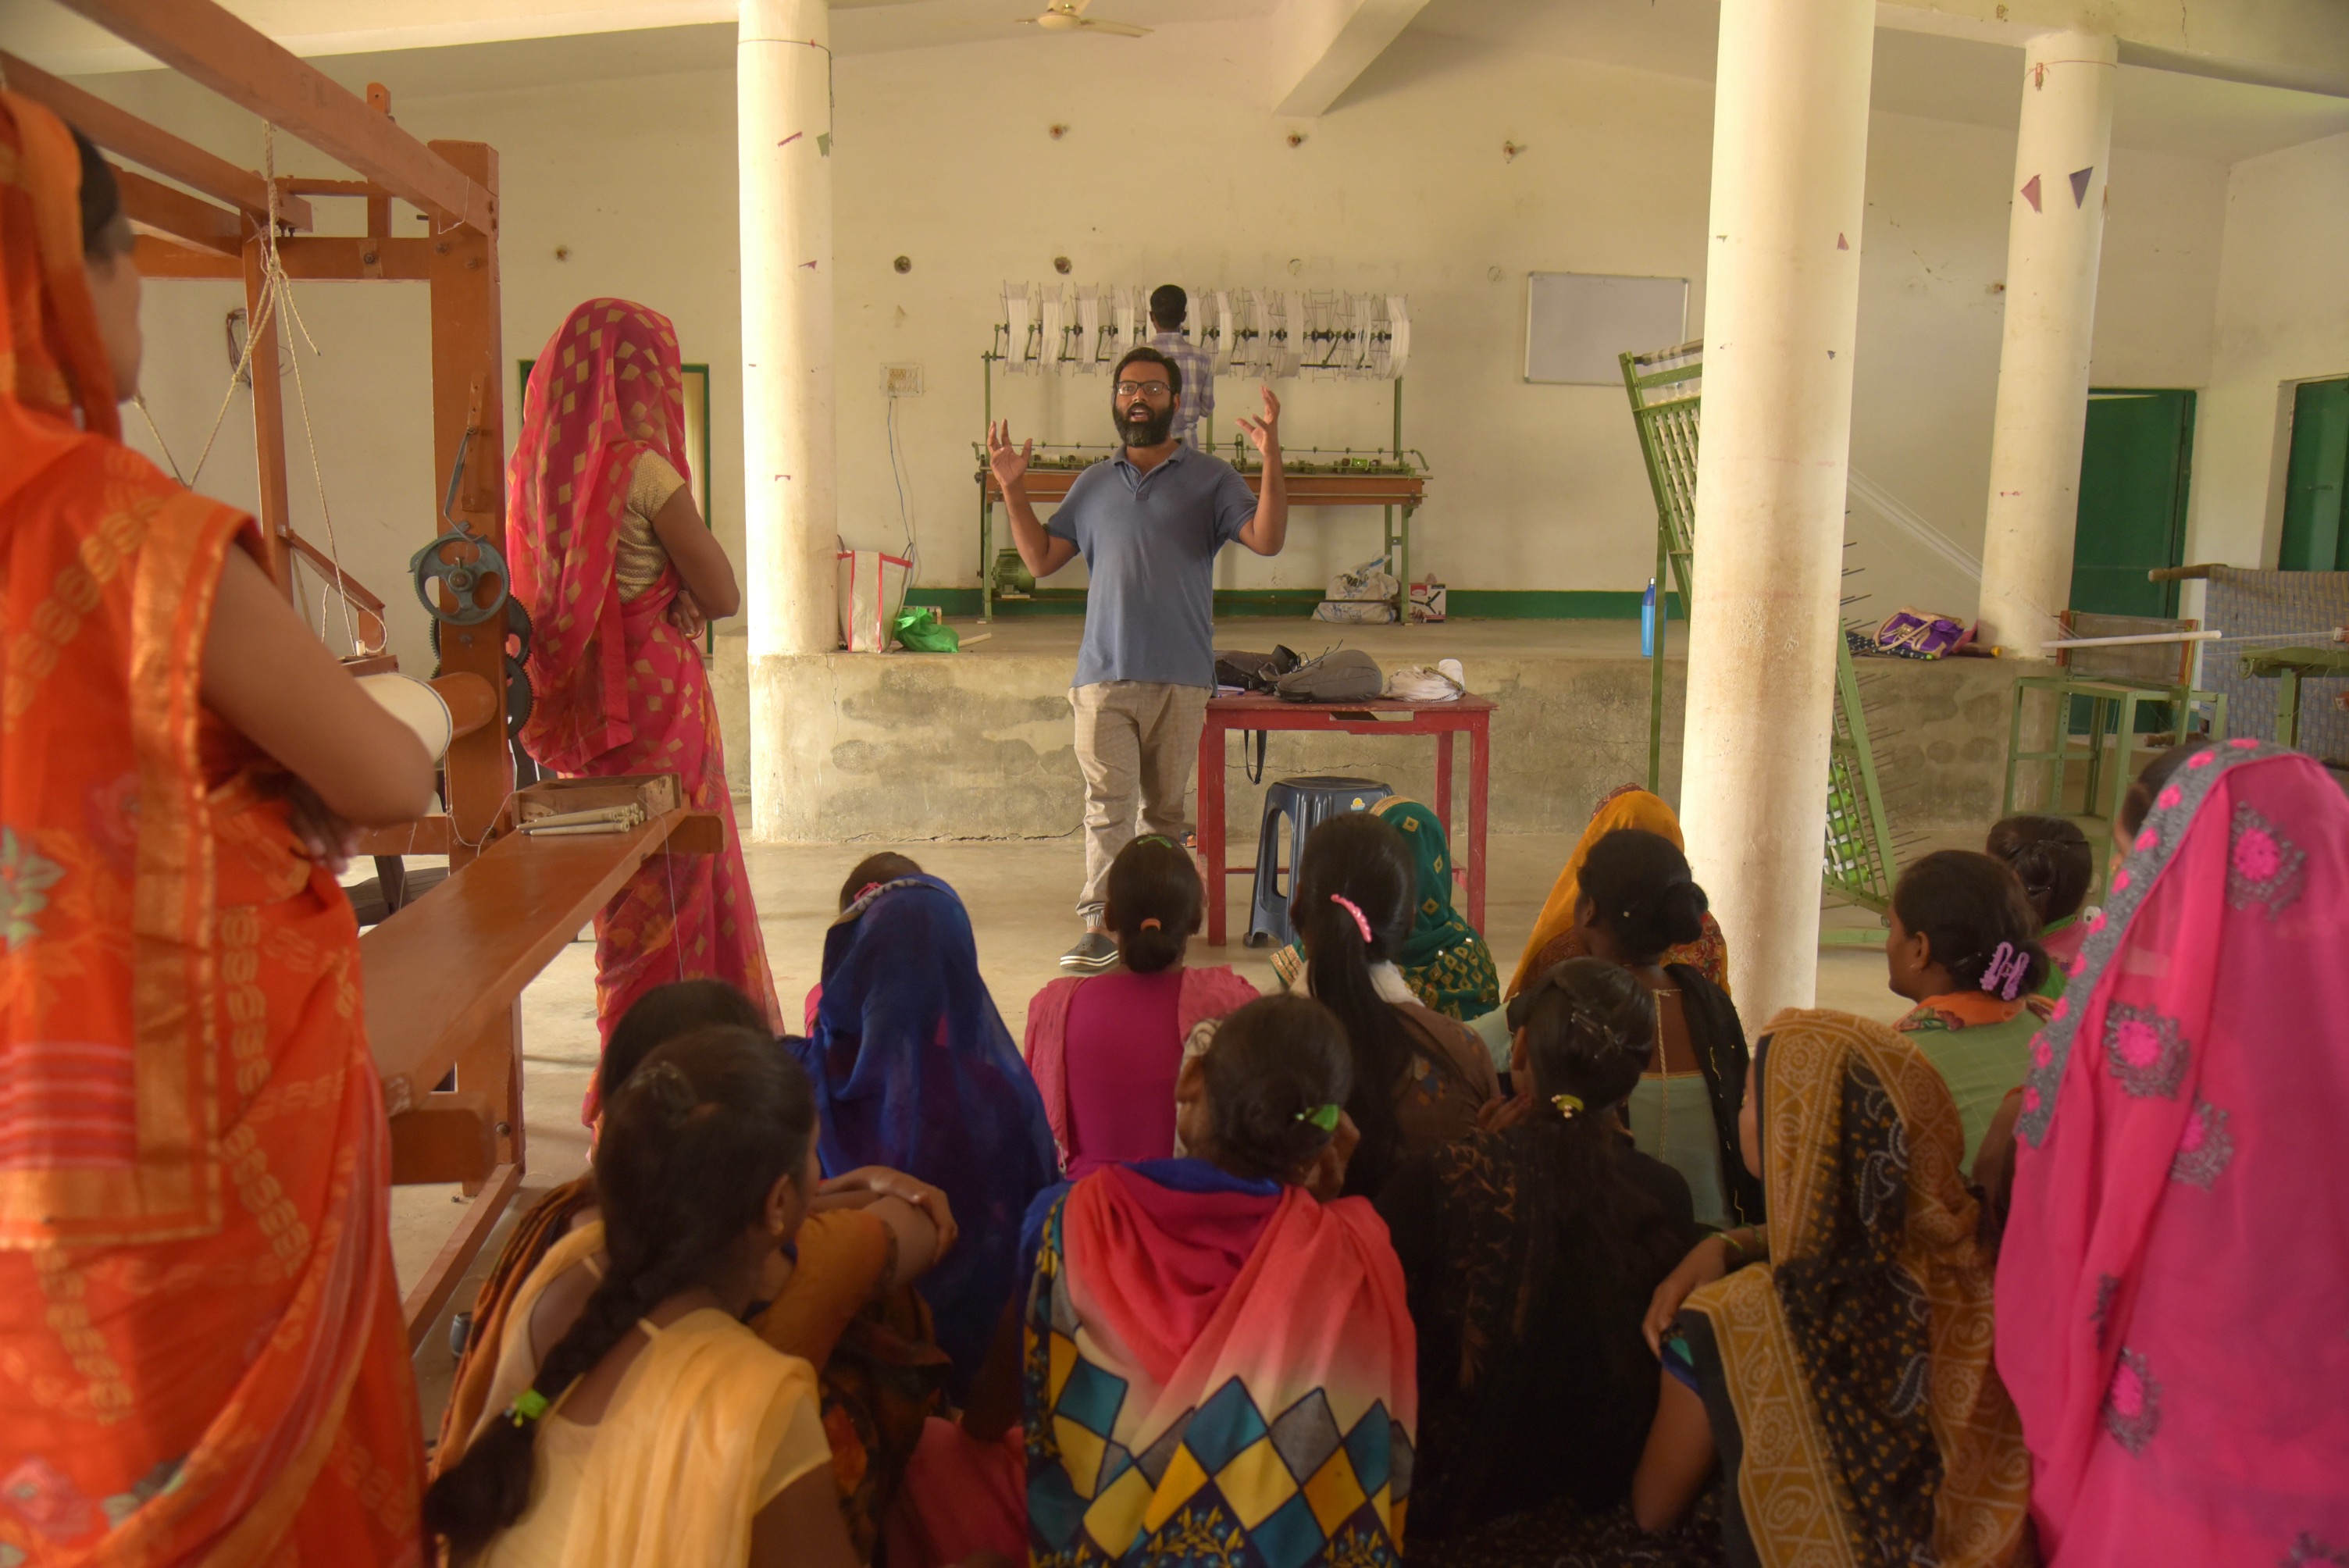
(446, 971)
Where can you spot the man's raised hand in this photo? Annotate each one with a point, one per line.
(1265, 433)
(1009, 466)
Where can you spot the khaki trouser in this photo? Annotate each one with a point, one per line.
(1133, 739)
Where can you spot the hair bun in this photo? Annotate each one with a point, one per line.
(664, 1086)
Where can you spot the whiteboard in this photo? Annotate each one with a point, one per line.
(1578, 322)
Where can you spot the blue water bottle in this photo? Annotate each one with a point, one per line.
(1647, 621)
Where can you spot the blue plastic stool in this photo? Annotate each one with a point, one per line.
(1307, 803)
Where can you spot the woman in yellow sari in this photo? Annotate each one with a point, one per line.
(1626, 807)
(205, 1361)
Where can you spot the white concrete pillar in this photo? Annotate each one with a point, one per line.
(782, 90)
(2056, 234)
(1782, 306)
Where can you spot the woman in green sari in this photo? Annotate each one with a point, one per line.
(1446, 963)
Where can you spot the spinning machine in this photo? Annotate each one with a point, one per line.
(1052, 329)
(444, 973)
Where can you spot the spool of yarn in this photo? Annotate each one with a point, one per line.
(416, 705)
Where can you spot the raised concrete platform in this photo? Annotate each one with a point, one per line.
(978, 745)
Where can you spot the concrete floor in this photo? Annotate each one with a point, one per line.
(1020, 895)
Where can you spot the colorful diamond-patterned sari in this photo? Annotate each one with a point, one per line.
(2176, 1259)
(617, 688)
(1218, 1371)
(201, 1357)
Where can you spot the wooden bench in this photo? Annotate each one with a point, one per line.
(444, 979)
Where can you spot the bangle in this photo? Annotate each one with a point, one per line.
(1739, 1254)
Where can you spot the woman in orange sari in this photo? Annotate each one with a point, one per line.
(202, 1356)
(617, 570)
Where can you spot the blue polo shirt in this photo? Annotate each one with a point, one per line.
(1149, 541)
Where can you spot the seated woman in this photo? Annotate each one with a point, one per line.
(868, 875)
(1842, 1381)
(1443, 960)
(1530, 1256)
(1105, 1049)
(2051, 857)
(658, 1428)
(1963, 946)
(1627, 807)
(659, 1016)
(1213, 1353)
(915, 1071)
(1635, 906)
(839, 1300)
(1419, 1078)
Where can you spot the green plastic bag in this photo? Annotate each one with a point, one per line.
(918, 630)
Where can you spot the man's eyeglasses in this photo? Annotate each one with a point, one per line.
(1143, 390)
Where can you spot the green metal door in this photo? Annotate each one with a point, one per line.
(2313, 538)
(2133, 470)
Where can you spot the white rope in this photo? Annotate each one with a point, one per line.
(138, 400)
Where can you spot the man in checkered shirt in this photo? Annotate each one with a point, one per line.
(1168, 306)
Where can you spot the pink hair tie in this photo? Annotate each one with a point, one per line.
(2002, 975)
(1151, 925)
(1361, 922)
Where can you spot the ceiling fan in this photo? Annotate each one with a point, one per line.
(1069, 17)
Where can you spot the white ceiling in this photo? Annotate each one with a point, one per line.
(507, 43)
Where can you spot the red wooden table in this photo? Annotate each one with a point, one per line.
(1439, 720)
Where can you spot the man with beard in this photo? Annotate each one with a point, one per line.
(1148, 522)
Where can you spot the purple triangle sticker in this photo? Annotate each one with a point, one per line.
(2080, 178)
(2031, 194)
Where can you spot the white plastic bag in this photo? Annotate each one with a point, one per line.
(872, 584)
(1416, 683)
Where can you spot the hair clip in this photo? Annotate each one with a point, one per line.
(1150, 924)
(1569, 1106)
(528, 1406)
(1154, 839)
(665, 1085)
(1324, 1116)
(2002, 975)
(868, 890)
(1362, 921)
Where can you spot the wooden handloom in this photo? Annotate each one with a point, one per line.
(444, 973)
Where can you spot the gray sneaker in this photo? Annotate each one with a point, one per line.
(1095, 951)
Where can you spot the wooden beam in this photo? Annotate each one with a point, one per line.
(117, 131)
(449, 1138)
(326, 258)
(168, 210)
(202, 41)
(469, 425)
(423, 1304)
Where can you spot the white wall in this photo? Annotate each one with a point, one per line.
(1169, 171)
(2283, 317)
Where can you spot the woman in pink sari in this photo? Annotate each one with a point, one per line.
(612, 560)
(2171, 1290)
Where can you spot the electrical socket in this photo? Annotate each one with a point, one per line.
(901, 380)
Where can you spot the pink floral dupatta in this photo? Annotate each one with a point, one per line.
(2172, 1285)
(619, 688)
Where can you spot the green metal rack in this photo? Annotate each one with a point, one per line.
(1666, 389)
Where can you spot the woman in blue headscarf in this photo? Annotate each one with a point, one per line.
(915, 1070)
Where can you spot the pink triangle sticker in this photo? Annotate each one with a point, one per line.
(2031, 194)
(2080, 178)
(1842, 244)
